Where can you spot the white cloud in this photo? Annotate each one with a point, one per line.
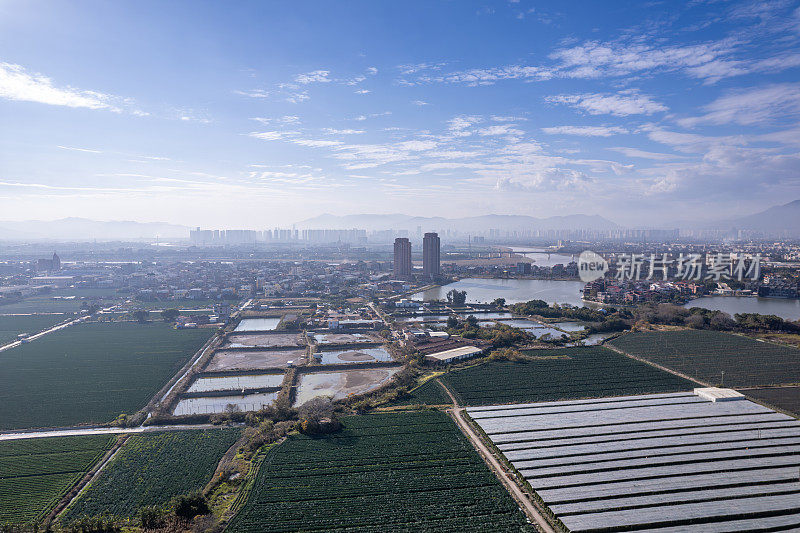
(315, 76)
(363, 91)
(757, 106)
(18, 84)
(296, 98)
(286, 119)
(313, 143)
(272, 135)
(332, 131)
(500, 129)
(79, 149)
(622, 104)
(419, 102)
(372, 71)
(585, 131)
(254, 93)
(641, 154)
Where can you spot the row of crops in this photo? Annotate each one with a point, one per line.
(429, 393)
(36, 473)
(559, 374)
(410, 471)
(705, 355)
(90, 373)
(151, 469)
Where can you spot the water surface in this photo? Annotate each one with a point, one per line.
(258, 324)
(513, 290)
(784, 308)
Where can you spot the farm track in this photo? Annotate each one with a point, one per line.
(62, 505)
(656, 365)
(531, 510)
(76, 431)
(45, 332)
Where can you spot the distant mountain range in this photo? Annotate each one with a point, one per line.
(777, 220)
(781, 220)
(463, 225)
(83, 229)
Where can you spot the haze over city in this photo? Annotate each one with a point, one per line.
(263, 114)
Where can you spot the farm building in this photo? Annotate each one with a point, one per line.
(453, 354)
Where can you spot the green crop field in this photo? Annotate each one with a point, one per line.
(786, 398)
(90, 373)
(11, 326)
(150, 469)
(706, 354)
(410, 471)
(429, 393)
(559, 374)
(36, 473)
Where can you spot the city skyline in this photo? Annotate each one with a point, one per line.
(267, 114)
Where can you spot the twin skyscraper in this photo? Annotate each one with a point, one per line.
(403, 267)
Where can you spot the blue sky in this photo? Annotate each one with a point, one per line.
(257, 114)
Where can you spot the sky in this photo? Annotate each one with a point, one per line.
(261, 114)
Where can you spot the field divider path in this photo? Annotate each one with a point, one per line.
(656, 365)
(506, 478)
(84, 482)
(45, 332)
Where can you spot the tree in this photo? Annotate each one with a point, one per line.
(170, 315)
(452, 322)
(141, 315)
(456, 297)
(317, 416)
(188, 506)
(499, 302)
(472, 322)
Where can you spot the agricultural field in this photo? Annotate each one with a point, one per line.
(559, 374)
(705, 355)
(180, 303)
(785, 398)
(90, 373)
(36, 473)
(429, 393)
(410, 471)
(61, 301)
(13, 325)
(152, 468)
(642, 463)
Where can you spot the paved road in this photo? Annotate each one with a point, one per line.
(45, 332)
(505, 477)
(72, 432)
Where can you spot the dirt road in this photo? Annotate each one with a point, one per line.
(505, 477)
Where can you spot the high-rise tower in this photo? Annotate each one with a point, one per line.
(402, 258)
(430, 255)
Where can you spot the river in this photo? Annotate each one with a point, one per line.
(513, 290)
(784, 308)
(542, 258)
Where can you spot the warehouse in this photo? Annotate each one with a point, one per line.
(454, 354)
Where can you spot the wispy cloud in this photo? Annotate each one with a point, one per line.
(79, 149)
(622, 104)
(315, 76)
(16, 83)
(757, 106)
(254, 93)
(585, 131)
(333, 131)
